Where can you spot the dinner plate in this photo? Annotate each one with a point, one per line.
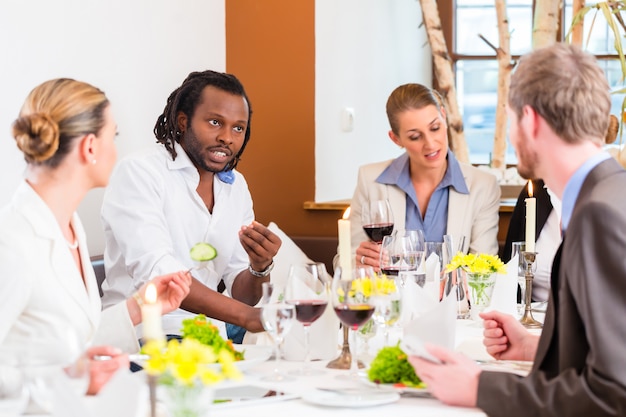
(368, 398)
(413, 391)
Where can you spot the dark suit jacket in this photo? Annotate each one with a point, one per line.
(580, 365)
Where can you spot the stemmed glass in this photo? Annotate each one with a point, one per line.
(400, 252)
(386, 296)
(277, 319)
(351, 299)
(377, 219)
(306, 291)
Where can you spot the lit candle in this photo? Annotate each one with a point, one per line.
(151, 315)
(531, 218)
(345, 247)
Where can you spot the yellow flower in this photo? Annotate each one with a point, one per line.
(188, 362)
(477, 264)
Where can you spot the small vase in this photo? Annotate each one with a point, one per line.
(187, 400)
(481, 289)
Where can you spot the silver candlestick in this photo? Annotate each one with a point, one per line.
(527, 319)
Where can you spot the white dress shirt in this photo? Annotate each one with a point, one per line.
(546, 246)
(49, 315)
(152, 217)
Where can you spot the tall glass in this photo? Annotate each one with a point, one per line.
(351, 298)
(306, 291)
(377, 219)
(277, 319)
(518, 248)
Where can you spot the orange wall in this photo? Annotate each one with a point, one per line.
(270, 47)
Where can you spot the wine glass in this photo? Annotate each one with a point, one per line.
(400, 252)
(351, 299)
(365, 333)
(277, 319)
(306, 291)
(377, 219)
(386, 297)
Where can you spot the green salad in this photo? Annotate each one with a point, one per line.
(201, 329)
(390, 366)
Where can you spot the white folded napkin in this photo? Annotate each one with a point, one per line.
(504, 297)
(417, 300)
(125, 395)
(436, 326)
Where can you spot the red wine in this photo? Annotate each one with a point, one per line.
(307, 311)
(391, 270)
(377, 231)
(354, 315)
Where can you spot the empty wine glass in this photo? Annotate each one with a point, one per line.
(365, 333)
(352, 301)
(306, 291)
(386, 297)
(401, 251)
(277, 319)
(377, 219)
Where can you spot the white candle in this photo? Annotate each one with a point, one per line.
(531, 218)
(151, 315)
(345, 247)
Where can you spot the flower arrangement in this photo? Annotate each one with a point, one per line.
(482, 264)
(187, 362)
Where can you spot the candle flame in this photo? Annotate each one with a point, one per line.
(346, 214)
(530, 188)
(151, 294)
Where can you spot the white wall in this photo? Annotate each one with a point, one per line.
(137, 51)
(364, 49)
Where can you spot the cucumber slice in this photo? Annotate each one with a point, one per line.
(202, 252)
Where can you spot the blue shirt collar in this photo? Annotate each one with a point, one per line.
(575, 183)
(397, 173)
(227, 177)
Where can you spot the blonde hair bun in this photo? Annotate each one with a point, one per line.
(37, 135)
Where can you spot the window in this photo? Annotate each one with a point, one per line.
(476, 68)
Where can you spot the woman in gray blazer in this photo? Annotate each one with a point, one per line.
(427, 188)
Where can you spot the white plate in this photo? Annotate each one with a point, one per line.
(253, 355)
(351, 400)
(415, 391)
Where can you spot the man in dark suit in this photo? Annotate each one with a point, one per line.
(558, 111)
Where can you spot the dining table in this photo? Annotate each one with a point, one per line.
(333, 392)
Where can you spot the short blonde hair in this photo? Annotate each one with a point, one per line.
(566, 87)
(53, 115)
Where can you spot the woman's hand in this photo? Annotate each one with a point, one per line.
(368, 254)
(101, 371)
(171, 289)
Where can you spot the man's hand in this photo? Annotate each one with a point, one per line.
(260, 243)
(506, 339)
(454, 381)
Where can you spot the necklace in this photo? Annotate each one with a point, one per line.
(72, 245)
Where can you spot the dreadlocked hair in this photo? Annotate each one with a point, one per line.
(186, 98)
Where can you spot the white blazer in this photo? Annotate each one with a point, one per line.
(47, 313)
(474, 215)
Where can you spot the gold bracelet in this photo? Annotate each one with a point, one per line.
(139, 300)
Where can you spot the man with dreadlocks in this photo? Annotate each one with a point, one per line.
(185, 191)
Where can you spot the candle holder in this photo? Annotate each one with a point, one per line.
(152, 384)
(527, 319)
(345, 358)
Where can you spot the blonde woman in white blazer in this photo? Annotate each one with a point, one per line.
(49, 300)
(448, 197)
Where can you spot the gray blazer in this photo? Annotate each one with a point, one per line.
(473, 215)
(580, 366)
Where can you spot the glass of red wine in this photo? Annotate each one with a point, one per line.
(400, 252)
(352, 300)
(377, 219)
(306, 291)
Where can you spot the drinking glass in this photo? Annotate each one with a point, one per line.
(365, 333)
(351, 298)
(386, 297)
(377, 219)
(306, 291)
(277, 319)
(517, 248)
(401, 251)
